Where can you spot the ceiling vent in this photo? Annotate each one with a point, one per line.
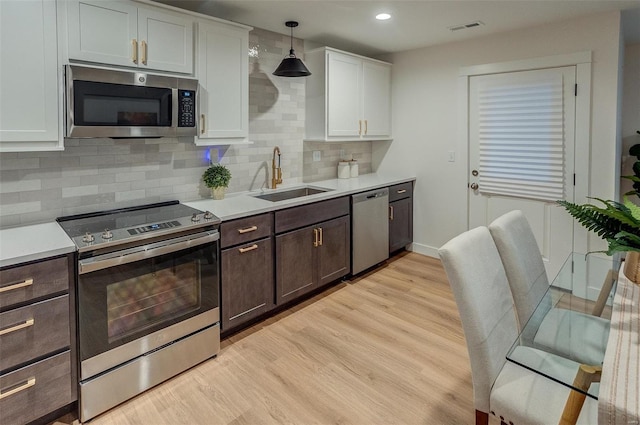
(466, 26)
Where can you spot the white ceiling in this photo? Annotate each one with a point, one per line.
(350, 25)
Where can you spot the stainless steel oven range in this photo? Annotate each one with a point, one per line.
(147, 298)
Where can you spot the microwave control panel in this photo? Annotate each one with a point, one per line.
(186, 108)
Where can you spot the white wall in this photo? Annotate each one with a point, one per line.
(426, 112)
(630, 110)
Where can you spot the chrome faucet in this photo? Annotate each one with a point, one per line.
(276, 172)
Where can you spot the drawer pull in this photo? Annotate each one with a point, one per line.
(247, 249)
(26, 324)
(248, 229)
(30, 383)
(402, 190)
(22, 284)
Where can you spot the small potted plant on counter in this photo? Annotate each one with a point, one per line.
(217, 177)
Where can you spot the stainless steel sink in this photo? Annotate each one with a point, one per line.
(292, 193)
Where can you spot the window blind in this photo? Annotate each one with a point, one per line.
(521, 138)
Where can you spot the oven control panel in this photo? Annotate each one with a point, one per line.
(152, 227)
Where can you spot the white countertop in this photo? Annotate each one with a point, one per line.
(35, 242)
(244, 204)
(39, 241)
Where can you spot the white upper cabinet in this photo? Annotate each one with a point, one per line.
(130, 34)
(29, 108)
(223, 73)
(348, 97)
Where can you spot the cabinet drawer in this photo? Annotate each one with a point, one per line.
(245, 229)
(400, 191)
(33, 330)
(310, 214)
(24, 283)
(36, 390)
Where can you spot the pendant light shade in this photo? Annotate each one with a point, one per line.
(291, 66)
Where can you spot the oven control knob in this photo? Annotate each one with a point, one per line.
(107, 234)
(195, 218)
(208, 215)
(88, 237)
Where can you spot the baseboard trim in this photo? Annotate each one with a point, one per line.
(427, 250)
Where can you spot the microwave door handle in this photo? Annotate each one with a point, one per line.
(136, 254)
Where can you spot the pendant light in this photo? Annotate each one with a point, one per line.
(291, 66)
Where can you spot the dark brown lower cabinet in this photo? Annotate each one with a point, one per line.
(400, 224)
(246, 282)
(311, 257)
(334, 255)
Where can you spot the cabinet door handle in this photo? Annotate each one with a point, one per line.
(144, 52)
(248, 229)
(30, 383)
(315, 237)
(26, 282)
(134, 50)
(402, 190)
(247, 249)
(320, 231)
(25, 324)
(360, 127)
(390, 212)
(204, 124)
(366, 127)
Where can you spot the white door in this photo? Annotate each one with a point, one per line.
(376, 99)
(28, 76)
(105, 32)
(521, 153)
(344, 88)
(165, 41)
(223, 65)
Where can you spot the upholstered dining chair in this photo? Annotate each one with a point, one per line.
(512, 393)
(578, 336)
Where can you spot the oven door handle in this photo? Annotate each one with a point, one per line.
(141, 253)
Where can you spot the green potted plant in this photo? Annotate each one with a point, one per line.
(616, 222)
(217, 177)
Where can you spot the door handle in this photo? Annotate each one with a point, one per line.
(320, 232)
(390, 212)
(134, 50)
(359, 127)
(366, 127)
(204, 124)
(474, 186)
(144, 52)
(315, 237)
(247, 249)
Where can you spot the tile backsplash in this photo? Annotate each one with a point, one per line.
(97, 174)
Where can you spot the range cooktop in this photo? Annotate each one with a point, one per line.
(112, 227)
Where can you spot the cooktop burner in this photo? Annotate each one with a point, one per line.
(112, 227)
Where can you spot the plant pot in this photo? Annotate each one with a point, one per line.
(632, 266)
(217, 192)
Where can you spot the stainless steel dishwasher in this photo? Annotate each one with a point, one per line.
(370, 229)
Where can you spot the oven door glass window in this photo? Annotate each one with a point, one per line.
(104, 104)
(122, 303)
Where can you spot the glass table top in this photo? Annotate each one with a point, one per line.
(563, 331)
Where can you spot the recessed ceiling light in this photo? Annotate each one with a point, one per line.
(383, 16)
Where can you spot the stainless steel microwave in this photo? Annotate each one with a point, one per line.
(124, 104)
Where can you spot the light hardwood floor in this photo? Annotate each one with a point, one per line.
(383, 348)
